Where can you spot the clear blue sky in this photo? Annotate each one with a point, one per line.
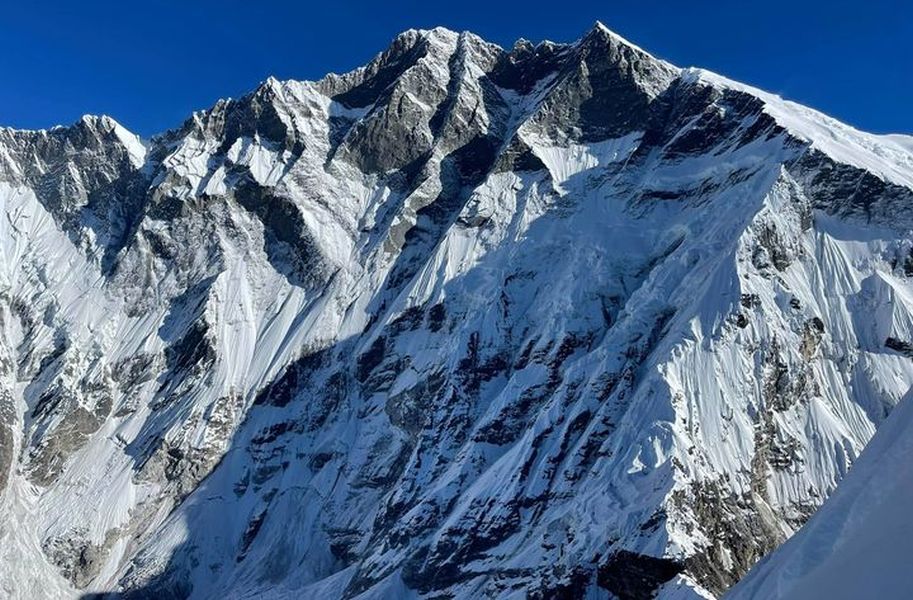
(150, 63)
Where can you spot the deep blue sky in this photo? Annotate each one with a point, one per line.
(149, 64)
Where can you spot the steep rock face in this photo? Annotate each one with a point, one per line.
(554, 321)
(857, 544)
(85, 175)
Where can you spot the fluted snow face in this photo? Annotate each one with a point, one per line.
(564, 319)
(858, 543)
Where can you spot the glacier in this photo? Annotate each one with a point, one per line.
(563, 320)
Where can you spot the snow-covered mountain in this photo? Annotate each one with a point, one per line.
(559, 321)
(858, 545)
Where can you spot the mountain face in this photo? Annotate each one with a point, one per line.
(858, 545)
(559, 321)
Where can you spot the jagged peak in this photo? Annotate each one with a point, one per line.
(273, 89)
(271, 83)
(435, 34)
(97, 121)
(136, 148)
(522, 44)
(105, 126)
(101, 127)
(600, 29)
(651, 74)
(395, 58)
(91, 121)
(408, 39)
(600, 34)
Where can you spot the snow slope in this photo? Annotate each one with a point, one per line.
(559, 320)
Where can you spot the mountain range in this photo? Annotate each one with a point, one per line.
(558, 321)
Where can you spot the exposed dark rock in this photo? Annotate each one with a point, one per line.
(738, 530)
(411, 409)
(288, 242)
(632, 576)
(905, 348)
(853, 193)
(908, 264)
(371, 358)
(77, 559)
(296, 376)
(771, 242)
(750, 301)
(366, 87)
(7, 449)
(193, 351)
(437, 316)
(527, 65)
(564, 586)
(812, 332)
(253, 528)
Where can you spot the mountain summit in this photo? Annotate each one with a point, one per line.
(563, 320)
